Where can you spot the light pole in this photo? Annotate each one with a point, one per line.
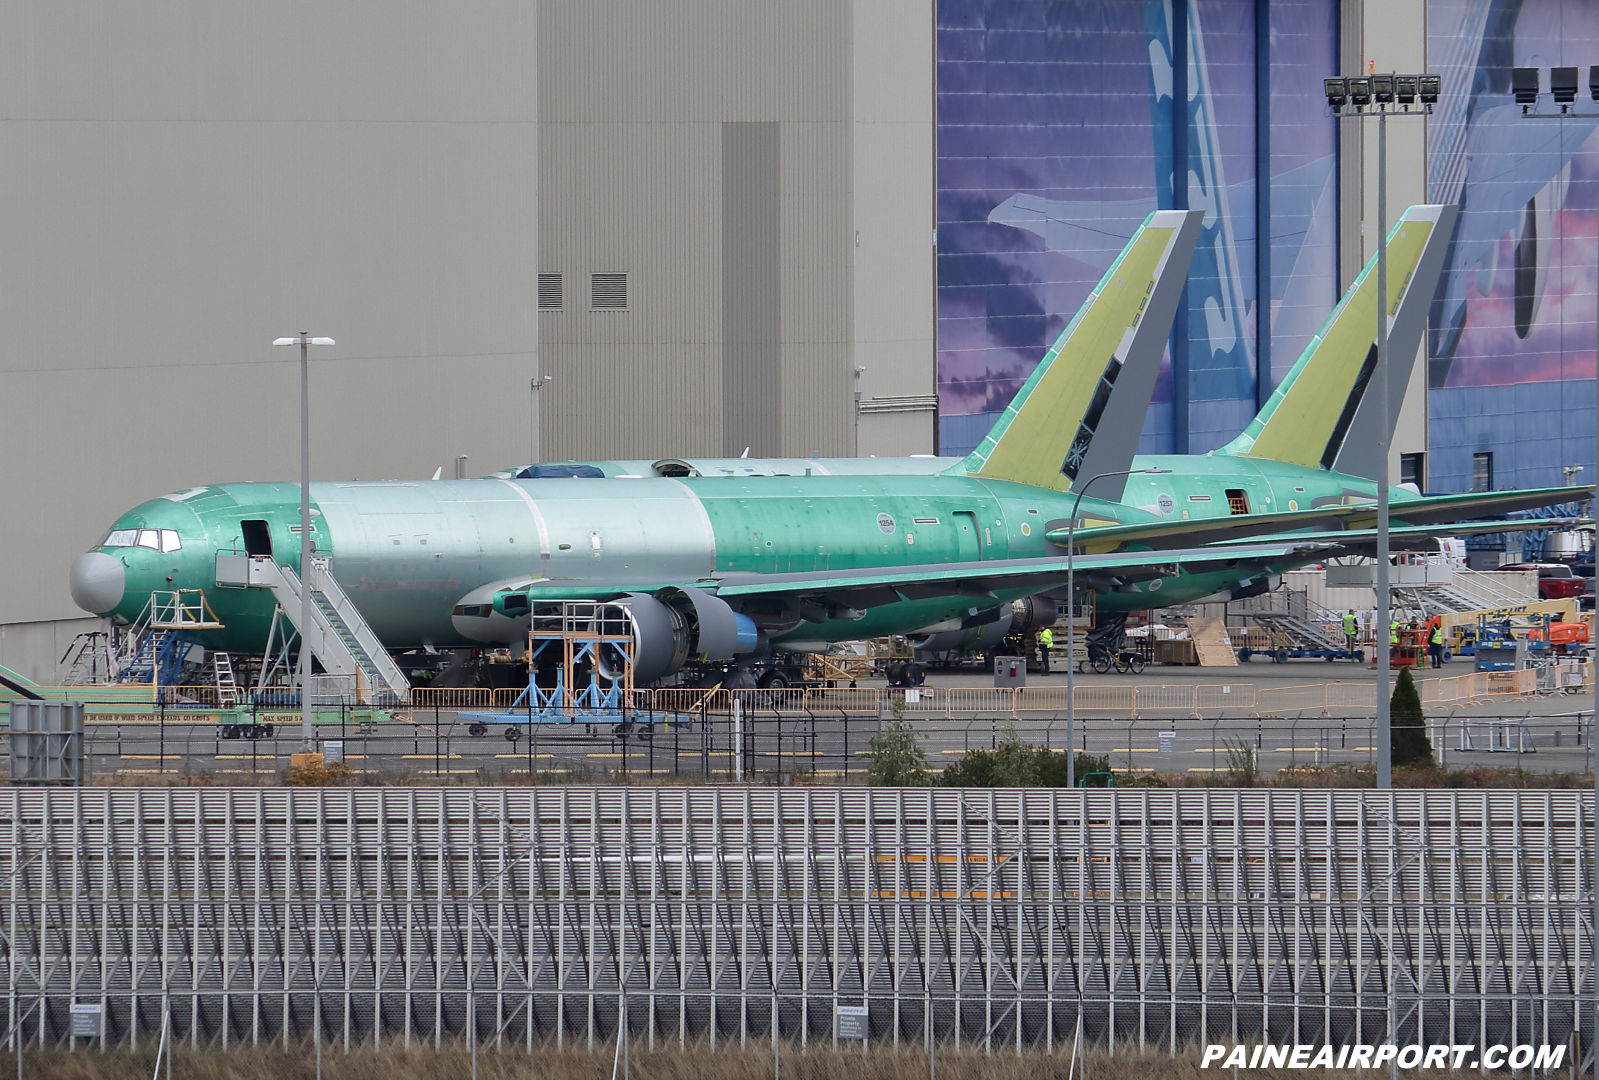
(536, 384)
(1385, 94)
(305, 340)
(1563, 84)
(1071, 614)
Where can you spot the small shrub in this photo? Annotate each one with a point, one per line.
(897, 757)
(1411, 747)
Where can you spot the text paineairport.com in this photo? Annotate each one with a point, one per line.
(1361, 1056)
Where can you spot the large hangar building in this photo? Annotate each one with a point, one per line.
(617, 229)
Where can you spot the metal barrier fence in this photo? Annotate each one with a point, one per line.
(776, 748)
(1124, 699)
(996, 919)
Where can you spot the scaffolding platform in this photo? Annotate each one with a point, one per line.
(587, 650)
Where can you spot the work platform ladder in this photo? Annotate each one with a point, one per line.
(338, 637)
(155, 646)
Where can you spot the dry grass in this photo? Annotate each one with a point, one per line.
(702, 1063)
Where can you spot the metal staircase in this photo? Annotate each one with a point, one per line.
(1305, 629)
(89, 660)
(338, 637)
(1467, 590)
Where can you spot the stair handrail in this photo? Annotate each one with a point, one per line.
(322, 581)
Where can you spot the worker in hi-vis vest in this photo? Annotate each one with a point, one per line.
(1046, 641)
(1393, 633)
(1351, 629)
(1435, 643)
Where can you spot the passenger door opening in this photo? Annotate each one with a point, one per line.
(257, 538)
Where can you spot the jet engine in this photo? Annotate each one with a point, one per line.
(986, 629)
(676, 624)
(668, 628)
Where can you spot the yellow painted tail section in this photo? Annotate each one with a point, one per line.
(1307, 418)
(1064, 421)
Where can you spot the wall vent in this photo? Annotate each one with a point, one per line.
(608, 292)
(550, 292)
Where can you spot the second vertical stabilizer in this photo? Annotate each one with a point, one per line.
(1321, 414)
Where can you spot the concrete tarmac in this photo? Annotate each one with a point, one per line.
(1543, 733)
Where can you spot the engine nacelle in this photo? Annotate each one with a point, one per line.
(1032, 613)
(978, 638)
(1022, 616)
(668, 628)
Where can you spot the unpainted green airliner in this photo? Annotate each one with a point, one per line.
(713, 568)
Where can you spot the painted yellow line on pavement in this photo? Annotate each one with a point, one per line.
(428, 757)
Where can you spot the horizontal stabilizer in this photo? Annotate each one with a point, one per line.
(1431, 510)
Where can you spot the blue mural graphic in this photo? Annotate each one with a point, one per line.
(1511, 347)
(1055, 140)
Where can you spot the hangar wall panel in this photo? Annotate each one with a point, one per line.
(892, 189)
(182, 182)
(635, 97)
(752, 288)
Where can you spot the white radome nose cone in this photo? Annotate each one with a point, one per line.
(98, 582)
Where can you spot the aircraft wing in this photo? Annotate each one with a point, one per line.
(875, 586)
(1420, 537)
(1432, 510)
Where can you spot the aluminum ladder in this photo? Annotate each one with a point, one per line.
(227, 688)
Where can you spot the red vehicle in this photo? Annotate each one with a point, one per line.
(1555, 580)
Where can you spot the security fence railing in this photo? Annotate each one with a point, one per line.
(995, 919)
(1138, 698)
(783, 748)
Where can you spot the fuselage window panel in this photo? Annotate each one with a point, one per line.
(170, 540)
(150, 538)
(122, 538)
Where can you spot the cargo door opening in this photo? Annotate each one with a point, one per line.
(1237, 501)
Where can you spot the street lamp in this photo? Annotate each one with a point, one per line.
(305, 340)
(1071, 614)
(1392, 94)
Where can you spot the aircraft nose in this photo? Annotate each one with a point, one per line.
(98, 582)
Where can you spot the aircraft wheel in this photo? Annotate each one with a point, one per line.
(477, 729)
(772, 680)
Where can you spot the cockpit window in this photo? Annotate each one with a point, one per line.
(162, 540)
